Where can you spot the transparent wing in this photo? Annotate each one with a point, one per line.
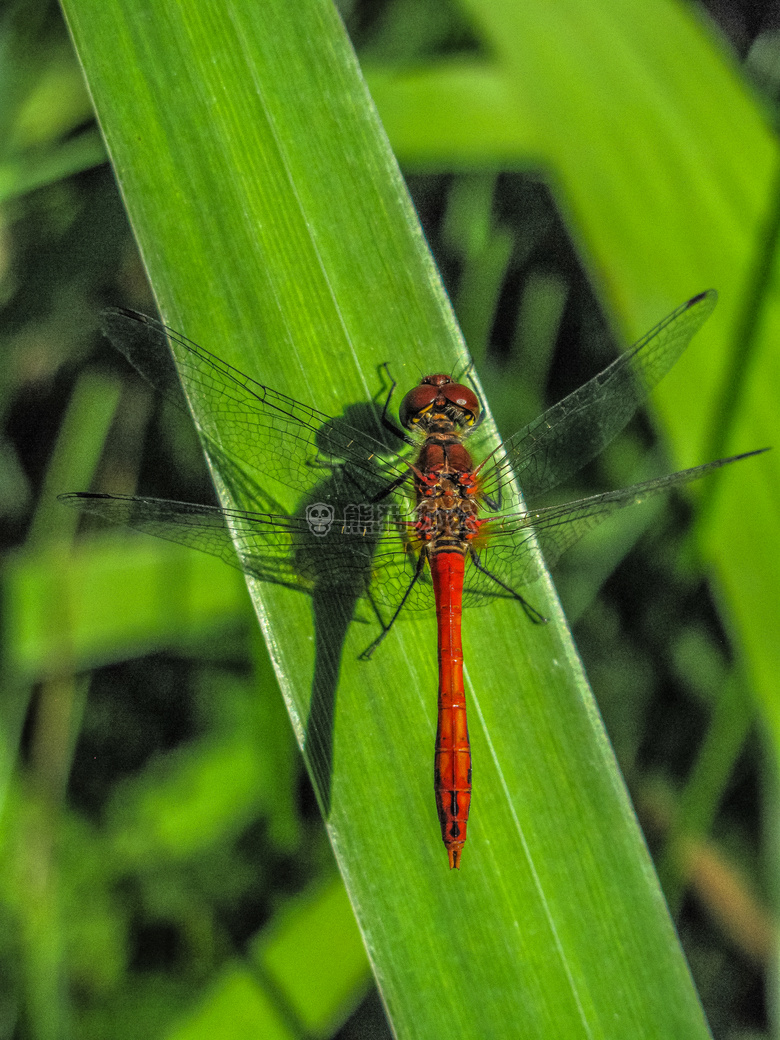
(571, 433)
(504, 544)
(262, 428)
(277, 548)
(374, 553)
(357, 557)
(376, 558)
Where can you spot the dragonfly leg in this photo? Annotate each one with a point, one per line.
(366, 654)
(387, 422)
(530, 611)
(387, 491)
(493, 504)
(468, 374)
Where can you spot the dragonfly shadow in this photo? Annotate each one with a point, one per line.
(341, 561)
(260, 439)
(331, 559)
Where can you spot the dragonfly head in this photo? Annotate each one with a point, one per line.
(438, 399)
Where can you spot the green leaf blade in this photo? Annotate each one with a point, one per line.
(277, 233)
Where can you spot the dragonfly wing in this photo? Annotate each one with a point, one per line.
(571, 433)
(395, 578)
(277, 548)
(355, 558)
(507, 551)
(206, 528)
(143, 343)
(267, 430)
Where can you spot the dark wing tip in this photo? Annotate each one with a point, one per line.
(707, 294)
(72, 498)
(113, 318)
(756, 451)
(124, 312)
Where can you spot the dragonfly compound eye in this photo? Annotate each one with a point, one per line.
(464, 398)
(439, 391)
(416, 403)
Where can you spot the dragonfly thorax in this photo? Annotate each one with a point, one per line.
(447, 521)
(442, 454)
(446, 492)
(438, 404)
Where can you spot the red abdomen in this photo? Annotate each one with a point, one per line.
(452, 763)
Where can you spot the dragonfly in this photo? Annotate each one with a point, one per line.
(399, 514)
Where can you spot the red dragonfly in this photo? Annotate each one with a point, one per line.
(389, 524)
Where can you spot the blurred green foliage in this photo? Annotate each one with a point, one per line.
(163, 870)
